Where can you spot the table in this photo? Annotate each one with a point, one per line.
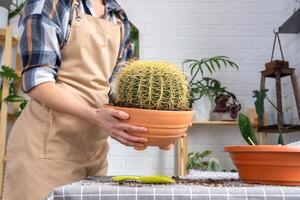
(90, 190)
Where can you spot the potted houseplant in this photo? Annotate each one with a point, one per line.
(155, 95)
(199, 161)
(264, 164)
(201, 102)
(10, 74)
(226, 104)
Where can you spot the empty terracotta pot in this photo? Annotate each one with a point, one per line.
(164, 127)
(267, 164)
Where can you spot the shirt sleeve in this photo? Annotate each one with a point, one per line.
(40, 39)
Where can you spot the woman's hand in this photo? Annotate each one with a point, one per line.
(109, 119)
(53, 96)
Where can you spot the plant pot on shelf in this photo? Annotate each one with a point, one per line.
(202, 108)
(267, 164)
(164, 127)
(3, 17)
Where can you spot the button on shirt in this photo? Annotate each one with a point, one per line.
(44, 27)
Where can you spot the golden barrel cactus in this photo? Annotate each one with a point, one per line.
(151, 85)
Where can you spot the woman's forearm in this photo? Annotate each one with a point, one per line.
(58, 100)
(109, 119)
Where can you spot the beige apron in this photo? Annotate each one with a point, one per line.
(47, 149)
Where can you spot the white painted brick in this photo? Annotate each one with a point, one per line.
(176, 30)
(116, 162)
(162, 54)
(162, 7)
(161, 30)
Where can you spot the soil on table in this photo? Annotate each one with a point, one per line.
(179, 181)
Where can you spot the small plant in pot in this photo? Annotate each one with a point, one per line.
(264, 164)
(199, 161)
(155, 95)
(226, 104)
(202, 99)
(10, 74)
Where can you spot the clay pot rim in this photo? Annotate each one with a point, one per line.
(262, 148)
(148, 110)
(162, 136)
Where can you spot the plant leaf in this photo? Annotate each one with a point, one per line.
(205, 153)
(9, 73)
(14, 98)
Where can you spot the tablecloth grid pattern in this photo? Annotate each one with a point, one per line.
(84, 190)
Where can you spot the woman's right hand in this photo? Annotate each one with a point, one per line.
(110, 120)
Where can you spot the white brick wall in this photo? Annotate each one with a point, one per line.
(179, 29)
(292, 52)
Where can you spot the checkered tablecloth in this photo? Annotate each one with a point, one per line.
(89, 190)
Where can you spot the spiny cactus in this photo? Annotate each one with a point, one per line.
(151, 85)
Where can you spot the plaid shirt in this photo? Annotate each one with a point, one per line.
(44, 27)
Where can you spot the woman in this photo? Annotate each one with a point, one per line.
(69, 51)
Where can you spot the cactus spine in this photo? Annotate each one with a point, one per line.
(151, 85)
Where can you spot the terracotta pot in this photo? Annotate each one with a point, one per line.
(267, 164)
(164, 127)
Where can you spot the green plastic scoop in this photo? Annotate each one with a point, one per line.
(145, 179)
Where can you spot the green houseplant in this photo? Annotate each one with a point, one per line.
(10, 74)
(225, 101)
(199, 161)
(264, 164)
(17, 8)
(261, 96)
(156, 95)
(204, 90)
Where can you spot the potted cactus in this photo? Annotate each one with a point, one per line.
(156, 95)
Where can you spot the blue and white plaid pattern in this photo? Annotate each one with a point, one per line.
(88, 190)
(44, 26)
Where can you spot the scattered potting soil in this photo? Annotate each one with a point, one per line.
(179, 181)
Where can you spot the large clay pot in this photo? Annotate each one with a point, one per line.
(164, 127)
(267, 164)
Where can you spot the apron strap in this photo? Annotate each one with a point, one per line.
(85, 7)
(74, 10)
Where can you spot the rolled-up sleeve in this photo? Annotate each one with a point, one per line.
(40, 50)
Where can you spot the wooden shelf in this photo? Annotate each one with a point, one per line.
(2, 38)
(292, 25)
(216, 123)
(285, 129)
